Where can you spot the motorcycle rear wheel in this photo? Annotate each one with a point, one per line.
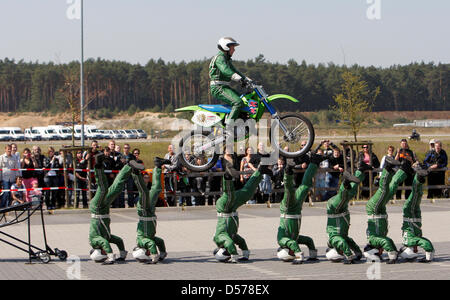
(194, 160)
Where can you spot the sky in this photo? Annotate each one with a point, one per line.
(317, 31)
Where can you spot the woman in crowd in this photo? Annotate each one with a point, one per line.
(246, 165)
(371, 160)
(28, 162)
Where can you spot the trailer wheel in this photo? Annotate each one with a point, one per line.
(44, 257)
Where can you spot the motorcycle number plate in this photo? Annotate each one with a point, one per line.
(205, 119)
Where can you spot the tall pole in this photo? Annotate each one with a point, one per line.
(82, 81)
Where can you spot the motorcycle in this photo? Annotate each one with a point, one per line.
(200, 150)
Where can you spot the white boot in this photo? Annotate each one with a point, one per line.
(371, 255)
(429, 257)
(334, 256)
(348, 260)
(110, 260)
(299, 258)
(234, 258)
(154, 258)
(392, 257)
(408, 253)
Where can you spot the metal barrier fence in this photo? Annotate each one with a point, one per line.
(177, 193)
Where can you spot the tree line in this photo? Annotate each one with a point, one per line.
(160, 85)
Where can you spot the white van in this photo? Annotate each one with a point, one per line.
(64, 133)
(47, 134)
(90, 132)
(32, 134)
(4, 135)
(15, 133)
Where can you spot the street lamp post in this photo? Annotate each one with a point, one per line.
(82, 80)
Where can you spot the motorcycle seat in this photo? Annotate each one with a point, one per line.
(219, 108)
(216, 108)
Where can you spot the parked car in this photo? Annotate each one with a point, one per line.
(141, 134)
(105, 134)
(116, 134)
(32, 135)
(128, 134)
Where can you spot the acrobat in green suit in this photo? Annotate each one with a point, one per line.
(226, 235)
(377, 223)
(291, 215)
(412, 223)
(147, 242)
(342, 246)
(100, 235)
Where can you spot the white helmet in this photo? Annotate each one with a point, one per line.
(285, 254)
(333, 255)
(141, 254)
(225, 43)
(221, 254)
(98, 255)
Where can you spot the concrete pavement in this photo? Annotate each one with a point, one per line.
(188, 236)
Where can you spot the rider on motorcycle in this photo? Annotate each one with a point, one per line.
(221, 73)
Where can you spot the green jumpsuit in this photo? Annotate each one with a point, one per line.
(412, 219)
(221, 72)
(291, 210)
(339, 219)
(377, 223)
(228, 221)
(146, 228)
(397, 179)
(100, 235)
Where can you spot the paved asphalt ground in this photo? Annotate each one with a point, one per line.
(188, 235)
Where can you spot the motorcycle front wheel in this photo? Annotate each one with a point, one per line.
(297, 130)
(195, 153)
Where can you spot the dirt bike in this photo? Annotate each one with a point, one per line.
(199, 149)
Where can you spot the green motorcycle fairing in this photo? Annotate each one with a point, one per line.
(258, 108)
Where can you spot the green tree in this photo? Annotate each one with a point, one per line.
(355, 101)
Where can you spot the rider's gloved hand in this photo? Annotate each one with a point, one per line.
(245, 81)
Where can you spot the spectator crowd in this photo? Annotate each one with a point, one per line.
(206, 188)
